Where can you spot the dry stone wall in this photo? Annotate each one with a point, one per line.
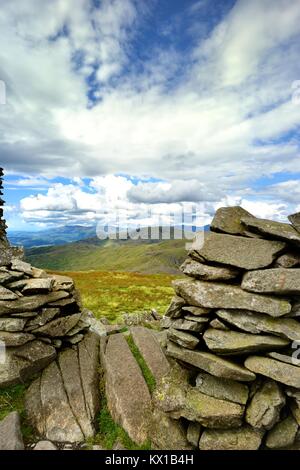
(233, 328)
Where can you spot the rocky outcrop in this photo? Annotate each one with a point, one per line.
(243, 289)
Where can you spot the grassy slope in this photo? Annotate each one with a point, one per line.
(113, 294)
(164, 257)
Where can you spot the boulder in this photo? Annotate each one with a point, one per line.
(166, 433)
(222, 389)
(123, 379)
(6, 294)
(279, 371)
(10, 432)
(23, 362)
(273, 281)
(263, 411)
(151, 351)
(30, 303)
(257, 323)
(232, 342)
(217, 295)
(12, 324)
(211, 363)
(275, 230)
(37, 286)
(208, 273)
(283, 434)
(240, 252)
(244, 438)
(182, 338)
(228, 220)
(58, 327)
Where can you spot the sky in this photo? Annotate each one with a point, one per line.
(148, 107)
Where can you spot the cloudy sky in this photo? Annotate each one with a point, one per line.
(148, 104)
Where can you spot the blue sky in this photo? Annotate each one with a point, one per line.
(138, 106)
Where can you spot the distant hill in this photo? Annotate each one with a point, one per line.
(111, 255)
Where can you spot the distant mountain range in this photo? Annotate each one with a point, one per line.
(76, 248)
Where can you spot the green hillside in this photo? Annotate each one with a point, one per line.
(109, 255)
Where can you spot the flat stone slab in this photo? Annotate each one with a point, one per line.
(240, 252)
(6, 294)
(222, 389)
(228, 220)
(24, 361)
(38, 286)
(232, 343)
(208, 273)
(217, 295)
(174, 309)
(10, 432)
(150, 349)
(128, 397)
(15, 339)
(59, 327)
(279, 371)
(30, 303)
(62, 404)
(195, 311)
(21, 266)
(182, 338)
(211, 363)
(12, 324)
(46, 315)
(273, 281)
(277, 230)
(257, 323)
(189, 325)
(263, 411)
(244, 438)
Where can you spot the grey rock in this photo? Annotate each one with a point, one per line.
(5, 254)
(193, 433)
(223, 389)
(257, 323)
(287, 359)
(295, 220)
(217, 295)
(182, 338)
(166, 433)
(188, 325)
(240, 252)
(59, 327)
(29, 303)
(37, 286)
(21, 266)
(123, 376)
(15, 339)
(232, 342)
(23, 362)
(288, 260)
(277, 230)
(273, 281)
(174, 309)
(244, 438)
(45, 445)
(95, 325)
(279, 371)
(196, 311)
(151, 351)
(263, 411)
(41, 319)
(9, 276)
(62, 282)
(283, 434)
(218, 325)
(211, 363)
(201, 319)
(75, 339)
(6, 294)
(10, 432)
(206, 272)
(228, 220)
(24, 315)
(12, 324)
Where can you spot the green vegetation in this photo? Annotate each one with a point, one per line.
(12, 399)
(148, 376)
(111, 295)
(109, 255)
